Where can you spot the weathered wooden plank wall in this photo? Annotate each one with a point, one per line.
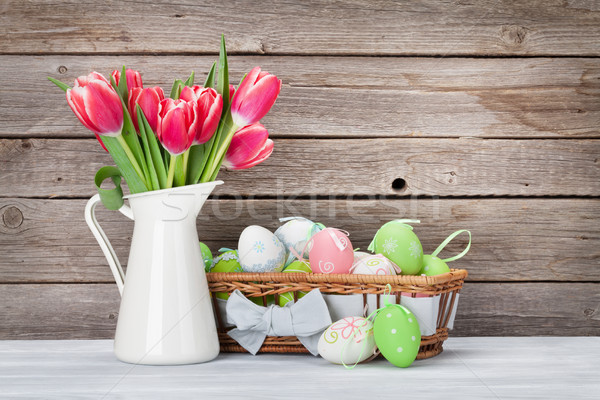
(489, 112)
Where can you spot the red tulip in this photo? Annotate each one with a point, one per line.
(134, 79)
(210, 105)
(249, 146)
(255, 97)
(148, 99)
(96, 104)
(177, 124)
(231, 91)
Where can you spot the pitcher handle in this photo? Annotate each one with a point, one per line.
(109, 252)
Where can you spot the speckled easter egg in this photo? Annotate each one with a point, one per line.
(331, 252)
(375, 264)
(347, 341)
(295, 233)
(399, 243)
(226, 262)
(397, 334)
(296, 267)
(207, 256)
(433, 265)
(260, 250)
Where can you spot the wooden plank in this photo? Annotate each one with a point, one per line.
(311, 27)
(479, 368)
(339, 167)
(84, 311)
(513, 239)
(346, 97)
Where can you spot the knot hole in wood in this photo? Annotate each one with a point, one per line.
(12, 217)
(399, 185)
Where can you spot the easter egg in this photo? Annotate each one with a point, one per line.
(398, 242)
(296, 267)
(260, 250)
(206, 256)
(359, 255)
(295, 233)
(397, 334)
(375, 264)
(226, 262)
(331, 252)
(433, 265)
(260, 300)
(347, 341)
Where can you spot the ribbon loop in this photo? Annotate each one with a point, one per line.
(448, 240)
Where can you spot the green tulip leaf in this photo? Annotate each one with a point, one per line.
(155, 151)
(111, 198)
(60, 84)
(223, 76)
(122, 87)
(190, 80)
(149, 164)
(135, 182)
(176, 89)
(210, 78)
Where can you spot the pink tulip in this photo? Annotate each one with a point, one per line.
(231, 91)
(96, 104)
(177, 124)
(148, 99)
(249, 146)
(134, 79)
(255, 97)
(210, 105)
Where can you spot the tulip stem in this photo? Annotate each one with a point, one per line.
(218, 153)
(186, 157)
(132, 159)
(171, 171)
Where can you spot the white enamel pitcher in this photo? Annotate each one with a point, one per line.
(166, 315)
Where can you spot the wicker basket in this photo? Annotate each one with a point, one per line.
(264, 284)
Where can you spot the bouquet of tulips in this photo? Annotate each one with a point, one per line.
(160, 142)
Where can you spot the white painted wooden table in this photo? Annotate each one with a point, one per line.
(469, 368)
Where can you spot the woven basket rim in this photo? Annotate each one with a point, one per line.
(453, 275)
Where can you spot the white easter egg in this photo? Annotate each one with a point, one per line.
(260, 251)
(348, 341)
(359, 255)
(376, 264)
(295, 233)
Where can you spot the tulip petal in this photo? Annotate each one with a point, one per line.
(244, 87)
(75, 100)
(245, 145)
(259, 100)
(103, 108)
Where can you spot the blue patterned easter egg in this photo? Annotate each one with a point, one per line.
(259, 250)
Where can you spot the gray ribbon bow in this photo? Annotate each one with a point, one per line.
(306, 319)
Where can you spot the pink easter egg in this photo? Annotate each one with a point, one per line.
(331, 252)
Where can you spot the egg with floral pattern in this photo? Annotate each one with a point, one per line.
(259, 250)
(398, 242)
(347, 341)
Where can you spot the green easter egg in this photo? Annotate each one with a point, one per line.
(207, 256)
(433, 265)
(297, 267)
(399, 243)
(226, 262)
(397, 335)
(259, 300)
